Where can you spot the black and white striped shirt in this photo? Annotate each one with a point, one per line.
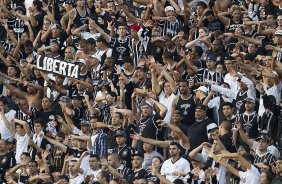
(171, 28)
(265, 158)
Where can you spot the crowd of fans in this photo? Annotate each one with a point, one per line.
(168, 91)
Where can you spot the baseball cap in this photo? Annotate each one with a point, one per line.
(64, 98)
(84, 123)
(120, 133)
(11, 140)
(83, 61)
(245, 147)
(263, 137)
(211, 58)
(147, 103)
(135, 27)
(178, 112)
(202, 88)
(97, 56)
(278, 32)
(211, 127)
(20, 8)
(169, 8)
(249, 99)
(137, 153)
(101, 39)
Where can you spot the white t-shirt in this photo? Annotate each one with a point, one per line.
(167, 101)
(250, 176)
(4, 131)
(21, 146)
(270, 149)
(85, 35)
(77, 180)
(168, 167)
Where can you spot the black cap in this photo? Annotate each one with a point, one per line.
(76, 96)
(11, 140)
(137, 153)
(249, 99)
(202, 107)
(263, 137)
(120, 133)
(20, 8)
(69, 2)
(101, 39)
(64, 98)
(178, 112)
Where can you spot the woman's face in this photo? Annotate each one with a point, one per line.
(24, 37)
(156, 162)
(68, 53)
(202, 33)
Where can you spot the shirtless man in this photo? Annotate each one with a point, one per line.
(34, 94)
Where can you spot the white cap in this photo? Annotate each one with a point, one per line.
(202, 88)
(169, 8)
(278, 32)
(81, 61)
(97, 56)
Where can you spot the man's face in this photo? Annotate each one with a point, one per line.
(270, 20)
(134, 33)
(37, 128)
(147, 110)
(116, 119)
(32, 167)
(111, 161)
(183, 88)
(120, 140)
(11, 71)
(200, 10)
(279, 20)
(28, 50)
(200, 114)
(121, 31)
(137, 162)
(176, 119)
(93, 163)
(252, 48)
(262, 145)
(210, 64)
(278, 164)
(174, 150)
(169, 13)
(249, 106)
(210, 18)
(46, 104)
(81, 144)
(71, 167)
(4, 107)
(228, 64)
(216, 46)
(227, 110)
(20, 130)
(2, 145)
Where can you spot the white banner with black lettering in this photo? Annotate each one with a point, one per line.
(56, 66)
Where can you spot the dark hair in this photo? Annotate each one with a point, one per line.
(160, 159)
(228, 104)
(113, 94)
(209, 12)
(248, 157)
(64, 177)
(38, 5)
(26, 154)
(33, 161)
(199, 50)
(95, 156)
(269, 176)
(38, 121)
(28, 43)
(61, 134)
(4, 100)
(175, 143)
(119, 115)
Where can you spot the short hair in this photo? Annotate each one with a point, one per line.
(209, 12)
(228, 104)
(26, 154)
(95, 156)
(199, 50)
(33, 161)
(4, 100)
(119, 115)
(28, 43)
(38, 5)
(113, 94)
(61, 134)
(248, 157)
(175, 143)
(38, 121)
(227, 125)
(115, 156)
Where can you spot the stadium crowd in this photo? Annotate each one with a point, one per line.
(140, 91)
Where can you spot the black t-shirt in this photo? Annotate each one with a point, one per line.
(46, 117)
(125, 154)
(214, 25)
(135, 175)
(227, 142)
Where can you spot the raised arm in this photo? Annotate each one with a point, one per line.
(161, 107)
(78, 163)
(24, 124)
(224, 20)
(101, 31)
(163, 144)
(170, 81)
(56, 143)
(6, 122)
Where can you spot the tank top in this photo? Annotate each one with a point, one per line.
(240, 108)
(187, 107)
(80, 20)
(233, 25)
